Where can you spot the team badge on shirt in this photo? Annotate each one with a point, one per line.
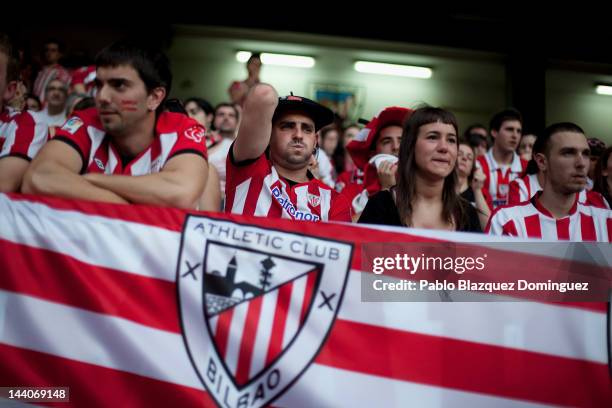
(72, 125)
(196, 133)
(314, 200)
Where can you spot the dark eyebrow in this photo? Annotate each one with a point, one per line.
(574, 150)
(118, 81)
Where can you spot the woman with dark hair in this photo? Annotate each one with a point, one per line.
(200, 110)
(603, 175)
(471, 180)
(426, 192)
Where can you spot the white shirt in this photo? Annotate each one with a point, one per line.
(53, 120)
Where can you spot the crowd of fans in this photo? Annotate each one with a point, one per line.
(107, 131)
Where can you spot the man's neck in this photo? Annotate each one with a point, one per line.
(228, 135)
(559, 205)
(136, 139)
(502, 157)
(299, 175)
(541, 178)
(54, 110)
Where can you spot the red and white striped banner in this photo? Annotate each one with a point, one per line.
(146, 306)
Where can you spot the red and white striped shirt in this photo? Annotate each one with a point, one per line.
(175, 134)
(87, 76)
(255, 188)
(522, 189)
(22, 134)
(498, 177)
(531, 220)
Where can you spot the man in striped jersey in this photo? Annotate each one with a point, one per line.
(267, 166)
(555, 213)
(501, 164)
(522, 189)
(22, 134)
(127, 149)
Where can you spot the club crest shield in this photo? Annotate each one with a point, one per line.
(256, 305)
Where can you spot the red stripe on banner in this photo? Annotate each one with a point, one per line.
(466, 366)
(224, 322)
(310, 282)
(92, 385)
(59, 278)
(532, 225)
(609, 225)
(587, 227)
(247, 343)
(280, 319)
(600, 307)
(563, 233)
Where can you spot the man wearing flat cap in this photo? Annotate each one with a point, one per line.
(267, 165)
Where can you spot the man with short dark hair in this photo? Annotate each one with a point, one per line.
(127, 149)
(267, 165)
(556, 212)
(501, 164)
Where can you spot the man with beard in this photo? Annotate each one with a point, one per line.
(267, 165)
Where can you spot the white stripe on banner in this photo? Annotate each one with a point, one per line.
(518, 325)
(235, 336)
(292, 322)
(213, 324)
(91, 239)
(264, 332)
(340, 388)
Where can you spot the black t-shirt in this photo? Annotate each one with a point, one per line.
(381, 209)
(469, 195)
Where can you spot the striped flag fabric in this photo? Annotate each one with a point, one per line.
(146, 306)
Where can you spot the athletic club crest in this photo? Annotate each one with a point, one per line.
(256, 305)
(314, 200)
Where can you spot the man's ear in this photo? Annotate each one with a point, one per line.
(10, 91)
(541, 161)
(155, 98)
(494, 134)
